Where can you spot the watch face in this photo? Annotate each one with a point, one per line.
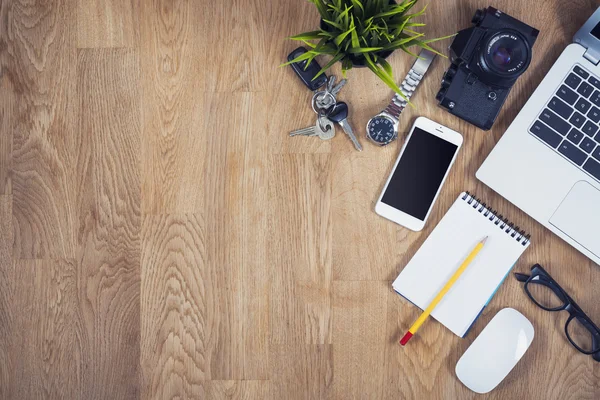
(381, 130)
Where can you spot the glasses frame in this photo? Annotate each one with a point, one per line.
(539, 276)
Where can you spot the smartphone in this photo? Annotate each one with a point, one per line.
(419, 174)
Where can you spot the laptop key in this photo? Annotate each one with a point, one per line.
(567, 94)
(571, 151)
(596, 98)
(555, 122)
(573, 80)
(575, 136)
(590, 129)
(596, 153)
(583, 105)
(577, 119)
(593, 167)
(594, 114)
(594, 81)
(546, 134)
(561, 108)
(581, 72)
(585, 90)
(587, 145)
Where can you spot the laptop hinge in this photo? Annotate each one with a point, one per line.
(592, 56)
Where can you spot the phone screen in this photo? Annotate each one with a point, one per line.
(419, 173)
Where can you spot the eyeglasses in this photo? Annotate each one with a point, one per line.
(583, 334)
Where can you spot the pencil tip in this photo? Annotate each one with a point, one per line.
(484, 240)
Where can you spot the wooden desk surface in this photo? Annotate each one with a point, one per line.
(162, 236)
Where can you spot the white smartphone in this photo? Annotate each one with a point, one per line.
(419, 174)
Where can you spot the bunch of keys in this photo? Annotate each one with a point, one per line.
(328, 109)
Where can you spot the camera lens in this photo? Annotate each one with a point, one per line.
(506, 53)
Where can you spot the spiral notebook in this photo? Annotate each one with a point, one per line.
(464, 225)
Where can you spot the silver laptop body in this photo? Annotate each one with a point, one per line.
(548, 161)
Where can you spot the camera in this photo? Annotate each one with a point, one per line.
(487, 59)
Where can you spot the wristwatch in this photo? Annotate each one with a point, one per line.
(382, 129)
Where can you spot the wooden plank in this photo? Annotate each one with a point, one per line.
(359, 338)
(177, 307)
(239, 390)
(301, 371)
(41, 68)
(235, 182)
(109, 219)
(107, 23)
(300, 248)
(174, 116)
(48, 342)
(7, 297)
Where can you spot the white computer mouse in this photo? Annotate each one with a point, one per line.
(495, 352)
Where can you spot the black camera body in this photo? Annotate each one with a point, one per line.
(486, 60)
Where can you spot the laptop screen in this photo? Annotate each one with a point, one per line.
(596, 31)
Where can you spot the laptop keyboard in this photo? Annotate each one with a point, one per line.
(570, 121)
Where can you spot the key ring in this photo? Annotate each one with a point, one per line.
(327, 95)
(322, 113)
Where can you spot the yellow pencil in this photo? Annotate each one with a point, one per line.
(423, 317)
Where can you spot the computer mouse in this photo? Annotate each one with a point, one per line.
(496, 351)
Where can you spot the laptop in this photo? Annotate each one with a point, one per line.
(548, 161)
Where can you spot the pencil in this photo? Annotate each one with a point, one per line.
(423, 317)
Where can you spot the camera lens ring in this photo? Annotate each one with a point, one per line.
(506, 53)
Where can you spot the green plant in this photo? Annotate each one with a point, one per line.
(364, 29)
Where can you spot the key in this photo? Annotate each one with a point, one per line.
(338, 87)
(309, 131)
(323, 128)
(322, 100)
(326, 128)
(581, 72)
(339, 114)
(560, 107)
(567, 94)
(573, 80)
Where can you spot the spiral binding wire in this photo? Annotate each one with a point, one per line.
(498, 219)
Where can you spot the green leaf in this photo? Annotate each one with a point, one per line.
(346, 66)
(321, 7)
(407, 41)
(301, 57)
(427, 47)
(338, 40)
(383, 76)
(312, 35)
(359, 50)
(335, 59)
(354, 35)
(386, 67)
(343, 17)
(395, 10)
(309, 44)
(334, 24)
(358, 6)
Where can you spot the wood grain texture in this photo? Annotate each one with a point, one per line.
(174, 131)
(107, 23)
(38, 45)
(177, 307)
(109, 209)
(162, 237)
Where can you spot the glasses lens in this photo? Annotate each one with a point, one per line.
(543, 295)
(579, 331)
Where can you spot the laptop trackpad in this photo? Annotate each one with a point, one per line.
(578, 216)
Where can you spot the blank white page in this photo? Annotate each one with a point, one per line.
(445, 249)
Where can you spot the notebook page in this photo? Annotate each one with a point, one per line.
(439, 257)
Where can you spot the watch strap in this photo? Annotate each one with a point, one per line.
(410, 83)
